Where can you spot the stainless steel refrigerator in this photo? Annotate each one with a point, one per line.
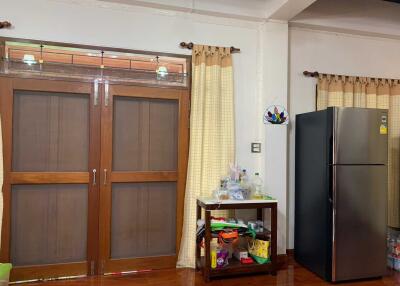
(341, 192)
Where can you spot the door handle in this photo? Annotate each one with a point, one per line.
(96, 92)
(106, 93)
(94, 177)
(105, 177)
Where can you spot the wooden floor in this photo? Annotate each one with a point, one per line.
(291, 274)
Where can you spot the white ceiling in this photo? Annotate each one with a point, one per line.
(255, 10)
(365, 16)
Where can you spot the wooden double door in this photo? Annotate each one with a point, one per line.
(94, 176)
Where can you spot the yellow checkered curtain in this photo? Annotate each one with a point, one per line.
(394, 156)
(1, 180)
(212, 135)
(344, 91)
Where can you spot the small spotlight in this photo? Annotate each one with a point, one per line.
(162, 71)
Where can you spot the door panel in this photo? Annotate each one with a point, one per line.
(143, 219)
(50, 131)
(143, 162)
(145, 134)
(360, 232)
(358, 137)
(50, 191)
(49, 224)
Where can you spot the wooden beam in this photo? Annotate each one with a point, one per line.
(49, 177)
(164, 176)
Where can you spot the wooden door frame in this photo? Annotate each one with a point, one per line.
(7, 86)
(106, 264)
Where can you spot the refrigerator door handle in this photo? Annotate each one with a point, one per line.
(332, 199)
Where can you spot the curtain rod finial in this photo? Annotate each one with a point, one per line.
(312, 74)
(186, 45)
(5, 24)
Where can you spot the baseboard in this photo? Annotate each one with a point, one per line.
(284, 258)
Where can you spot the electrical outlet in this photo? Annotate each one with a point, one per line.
(255, 147)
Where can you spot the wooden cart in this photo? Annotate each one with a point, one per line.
(235, 267)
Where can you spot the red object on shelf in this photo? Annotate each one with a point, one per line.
(247, 260)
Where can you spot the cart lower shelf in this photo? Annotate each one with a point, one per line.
(235, 267)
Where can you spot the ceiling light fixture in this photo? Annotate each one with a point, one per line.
(29, 59)
(161, 70)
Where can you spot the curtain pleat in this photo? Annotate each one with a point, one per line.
(348, 96)
(383, 95)
(359, 93)
(322, 93)
(371, 94)
(334, 90)
(212, 136)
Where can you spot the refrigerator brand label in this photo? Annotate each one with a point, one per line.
(383, 128)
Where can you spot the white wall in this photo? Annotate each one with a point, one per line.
(275, 90)
(260, 70)
(335, 53)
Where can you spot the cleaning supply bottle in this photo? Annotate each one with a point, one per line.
(257, 187)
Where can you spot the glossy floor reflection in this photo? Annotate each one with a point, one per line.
(291, 274)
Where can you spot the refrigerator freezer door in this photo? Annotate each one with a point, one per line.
(359, 225)
(359, 136)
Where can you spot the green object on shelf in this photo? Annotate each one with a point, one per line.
(5, 269)
(220, 225)
(260, 260)
(251, 232)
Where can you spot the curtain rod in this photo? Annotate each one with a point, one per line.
(316, 74)
(190, 46)
(5, 24)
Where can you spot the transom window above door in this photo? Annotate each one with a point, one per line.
(85, 62)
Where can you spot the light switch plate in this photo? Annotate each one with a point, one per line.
(255, 147)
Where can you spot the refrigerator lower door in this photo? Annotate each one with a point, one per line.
(359, 197)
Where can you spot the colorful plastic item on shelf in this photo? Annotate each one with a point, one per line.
(220, 225)
(5, 269)
(222, 258)
(213, 259)
(259, 250)
(247, 260)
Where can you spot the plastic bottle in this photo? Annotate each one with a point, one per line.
(244, 180)
(257, 187)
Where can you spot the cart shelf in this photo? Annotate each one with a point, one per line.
(235, 267)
